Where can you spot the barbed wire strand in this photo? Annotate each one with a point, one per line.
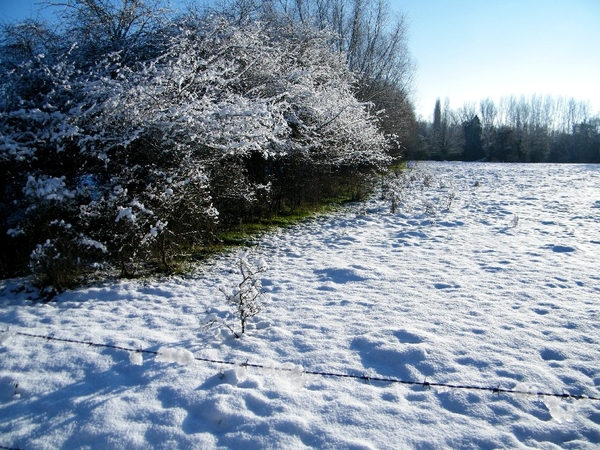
(367, 378)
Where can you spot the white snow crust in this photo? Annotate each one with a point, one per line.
(488, 276)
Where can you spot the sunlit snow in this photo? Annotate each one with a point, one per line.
(485, 276)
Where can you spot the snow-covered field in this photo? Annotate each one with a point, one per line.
(488, 276)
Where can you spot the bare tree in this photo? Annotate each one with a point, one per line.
(111, 25)
(467, 112)
(488, 113)
(20, 41)
(371, 37)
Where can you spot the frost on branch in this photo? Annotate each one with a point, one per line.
(247, 298)
(149, 154)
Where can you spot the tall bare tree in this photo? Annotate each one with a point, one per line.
(99, 26)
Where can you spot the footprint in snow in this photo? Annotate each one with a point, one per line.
(562, 249)
(337, 275)
(445, 286)
(406, 337)
(549, 354)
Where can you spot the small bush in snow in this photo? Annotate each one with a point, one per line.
(395, 187)
(247, 297)
(417, 188)
(51, 267)
(449, 199)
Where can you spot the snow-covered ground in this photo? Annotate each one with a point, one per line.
(487, 275)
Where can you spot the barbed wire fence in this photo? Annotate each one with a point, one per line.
(366, 378)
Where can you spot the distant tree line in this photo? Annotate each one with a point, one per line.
(525, 129)
(133, 134)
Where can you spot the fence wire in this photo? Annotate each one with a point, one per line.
(366, 378)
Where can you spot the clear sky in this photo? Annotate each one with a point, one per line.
(467, 50)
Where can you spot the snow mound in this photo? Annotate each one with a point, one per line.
(560, 411)
(7, 337)
(178, 355)
(136, 359)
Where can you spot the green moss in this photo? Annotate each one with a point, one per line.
(245, 234)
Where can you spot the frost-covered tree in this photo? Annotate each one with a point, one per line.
(132, 161)
(247, 298)
(370, 37)
(40, 159)
(134, 28)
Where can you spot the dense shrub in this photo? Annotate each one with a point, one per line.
(127, 161)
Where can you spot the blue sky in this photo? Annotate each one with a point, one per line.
(467, 50)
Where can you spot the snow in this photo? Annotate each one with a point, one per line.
(125, 213)
(93, 243)
(486, 277)
(136, 359)
(178, 355)
(49, 188)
